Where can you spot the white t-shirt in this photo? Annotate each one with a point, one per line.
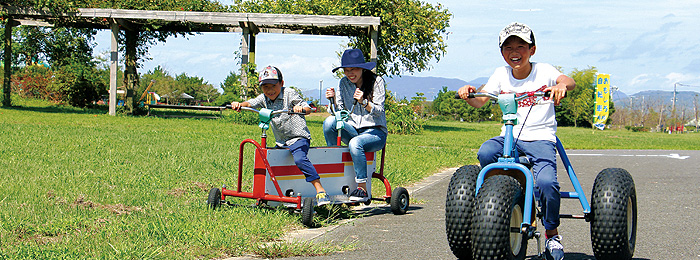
(541, 123)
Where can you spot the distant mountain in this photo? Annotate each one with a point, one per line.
(684, 99)
(408, 86)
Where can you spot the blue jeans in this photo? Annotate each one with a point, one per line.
(299, 150)
(360, 141)
(544, 158)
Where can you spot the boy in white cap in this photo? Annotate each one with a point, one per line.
(536, 135)
(290, 130)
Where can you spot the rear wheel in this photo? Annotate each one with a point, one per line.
(307, 212)
(496, 219)
(399, 201)
(614, 215)
(214, 199)
(458, 210)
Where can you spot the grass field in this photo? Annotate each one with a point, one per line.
(80, 184)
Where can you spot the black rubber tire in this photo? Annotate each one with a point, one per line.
(614, 215)
(458, 210)
(399, 201)
(214, 199)
(495, 228)
(307, 212)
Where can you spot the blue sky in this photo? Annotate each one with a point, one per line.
(643, 45)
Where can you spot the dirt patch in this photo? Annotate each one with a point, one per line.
(118, 209)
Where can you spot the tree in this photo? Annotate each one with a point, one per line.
(578, 106)
(446, 105)
(411, 32)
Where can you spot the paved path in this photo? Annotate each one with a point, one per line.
(667, 190)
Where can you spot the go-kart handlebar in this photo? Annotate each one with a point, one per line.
(274, 112)
(495, 97)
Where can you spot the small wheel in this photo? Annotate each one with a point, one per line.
(307, 212)
(214, 200)
(614, 215)
(458, 210)
(399, 201)
(496, 219)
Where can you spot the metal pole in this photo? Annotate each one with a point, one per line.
(320, 87)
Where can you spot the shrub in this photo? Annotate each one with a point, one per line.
(400, 117)
(637, 128)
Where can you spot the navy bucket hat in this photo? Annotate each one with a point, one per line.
(353, 58)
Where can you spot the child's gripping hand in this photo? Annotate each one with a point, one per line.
(463, 92)
(236, 106)
(298, 109)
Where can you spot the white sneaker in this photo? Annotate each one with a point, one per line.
(553, 249)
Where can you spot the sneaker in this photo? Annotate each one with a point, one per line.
(553, 249)
(359, 195)
(322, 199)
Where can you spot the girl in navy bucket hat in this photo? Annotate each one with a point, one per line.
(353, 58)
(365, 130)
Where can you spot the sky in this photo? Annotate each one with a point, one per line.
(643, 44)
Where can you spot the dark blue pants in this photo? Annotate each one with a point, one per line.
(299, 150)
(543, 155)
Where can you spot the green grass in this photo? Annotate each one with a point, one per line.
(78, 184)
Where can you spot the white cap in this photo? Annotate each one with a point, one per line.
(516, 29)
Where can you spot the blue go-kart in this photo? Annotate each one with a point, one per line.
(489, 212)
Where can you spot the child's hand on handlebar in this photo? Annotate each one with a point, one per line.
(463, 92)
(298, 109)
(236, 106)
(557, 92)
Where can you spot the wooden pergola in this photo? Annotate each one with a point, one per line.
(249, 24)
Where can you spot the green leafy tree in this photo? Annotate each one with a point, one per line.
(578, 107)
(232, 89)
(448, 107)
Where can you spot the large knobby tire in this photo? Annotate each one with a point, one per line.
(307, 212)
(458, 210)
(214, 199)
(614, 215)
(496, 219)
(399, 201)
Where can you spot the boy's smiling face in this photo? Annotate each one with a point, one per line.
(271, 91)
(517, 54)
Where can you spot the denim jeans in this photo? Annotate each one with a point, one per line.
(360, 141)
(544, 158)
(299, 150)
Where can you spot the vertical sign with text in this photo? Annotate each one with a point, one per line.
(602, 100)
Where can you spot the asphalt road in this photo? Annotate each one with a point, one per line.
(667, 196)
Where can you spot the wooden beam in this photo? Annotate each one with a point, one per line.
(204, 21)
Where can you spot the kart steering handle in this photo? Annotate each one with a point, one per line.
(273, 112)
(495, 97)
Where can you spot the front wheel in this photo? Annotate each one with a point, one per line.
(458, 210)
(214, 199)
(496, 220)
(399, 201)
(614, 215)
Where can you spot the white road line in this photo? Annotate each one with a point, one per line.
(672, 156)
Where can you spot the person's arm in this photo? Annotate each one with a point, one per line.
(558, 91)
